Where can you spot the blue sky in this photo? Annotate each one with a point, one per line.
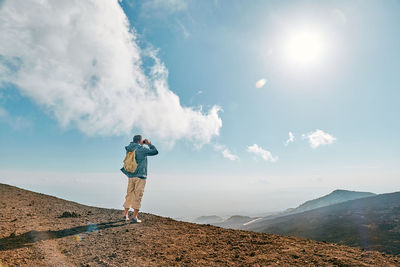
(346, 86)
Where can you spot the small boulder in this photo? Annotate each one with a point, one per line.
(67, 214)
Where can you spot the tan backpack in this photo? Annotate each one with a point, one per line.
(130, 164)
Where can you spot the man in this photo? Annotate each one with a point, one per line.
(137, 179)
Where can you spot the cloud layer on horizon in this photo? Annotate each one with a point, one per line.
(79, 60)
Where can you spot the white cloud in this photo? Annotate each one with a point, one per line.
(226, 153)
(290, 140)
(183, 28)
(80, 62)
(318, 138)
(264, 154)
(260, 83)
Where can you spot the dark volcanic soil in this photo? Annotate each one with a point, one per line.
(40, 230)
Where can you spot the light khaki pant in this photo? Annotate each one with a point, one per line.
(134, 193)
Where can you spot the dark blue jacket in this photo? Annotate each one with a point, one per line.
(141, 159)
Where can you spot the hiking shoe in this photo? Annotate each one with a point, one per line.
(126, 218)
(135, 220)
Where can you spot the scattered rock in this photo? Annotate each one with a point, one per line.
(113, 255)
(67, 214)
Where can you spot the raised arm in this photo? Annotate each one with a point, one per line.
(151, 151)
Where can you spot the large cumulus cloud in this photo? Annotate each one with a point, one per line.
(79, 60)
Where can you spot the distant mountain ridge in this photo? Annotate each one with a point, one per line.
(337, 196)
(369, 222)
(238, 221)
(208, 219)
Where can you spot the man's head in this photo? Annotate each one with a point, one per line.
(138, 139)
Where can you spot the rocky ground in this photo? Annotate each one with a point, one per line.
(40, 230)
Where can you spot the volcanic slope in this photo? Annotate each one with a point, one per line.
(335, 197)
(41, 230)
(370, 222)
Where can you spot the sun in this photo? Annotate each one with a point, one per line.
(304, 48)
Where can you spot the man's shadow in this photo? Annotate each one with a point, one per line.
(28, 238)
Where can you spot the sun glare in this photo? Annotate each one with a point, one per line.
(303, 48)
